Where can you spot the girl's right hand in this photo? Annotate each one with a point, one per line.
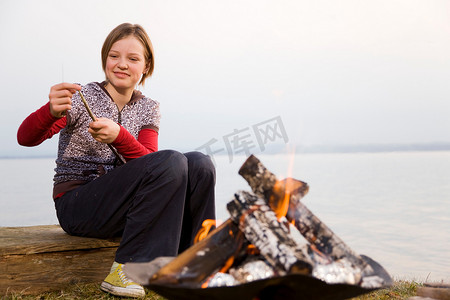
(61, 98)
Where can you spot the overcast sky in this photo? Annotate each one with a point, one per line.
(334, 72)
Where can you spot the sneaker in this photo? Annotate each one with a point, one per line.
(118, 284)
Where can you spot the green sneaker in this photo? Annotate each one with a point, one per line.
(118, 284)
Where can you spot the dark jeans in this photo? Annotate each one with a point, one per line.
(157, 203)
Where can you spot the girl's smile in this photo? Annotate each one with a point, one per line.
(121, 74)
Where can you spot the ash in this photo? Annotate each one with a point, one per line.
(340, 271)
(252, 269)
(222, 279)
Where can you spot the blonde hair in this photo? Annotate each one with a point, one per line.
(125, 30)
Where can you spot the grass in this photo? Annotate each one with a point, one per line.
(400, 290)
(89, 291)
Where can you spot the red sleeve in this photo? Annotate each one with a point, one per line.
(131, 148)
(39, 126)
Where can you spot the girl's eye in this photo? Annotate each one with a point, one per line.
(134, 59)
(113, 55)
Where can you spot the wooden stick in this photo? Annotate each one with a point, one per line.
(86, 105)
(91, 114)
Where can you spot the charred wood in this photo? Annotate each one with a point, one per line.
(266, 185)
(197, 263)
(322, 237)
(261, 228)
(259, 178)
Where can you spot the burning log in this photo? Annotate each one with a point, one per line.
(197, 263)
(261, 228)
(258, 177)
(321, 237)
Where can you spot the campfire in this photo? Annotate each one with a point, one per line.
(271, 247)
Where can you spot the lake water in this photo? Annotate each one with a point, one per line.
(393, 207)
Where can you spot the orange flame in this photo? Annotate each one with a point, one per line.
(206, 228)
(281, 193)
(252, 250)
(279, 201)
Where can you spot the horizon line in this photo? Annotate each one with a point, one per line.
(309, 149)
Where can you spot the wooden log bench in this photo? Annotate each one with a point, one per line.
(438, 291)
(43, 258)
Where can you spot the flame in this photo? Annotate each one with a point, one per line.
(281, 195)
(252, 250)
(291, 161)
(207, 225)
(283, 190)
(227, 265)
(279, 201)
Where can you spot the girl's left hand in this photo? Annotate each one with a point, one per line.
(104, 130)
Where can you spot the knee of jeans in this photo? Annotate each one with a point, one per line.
(199, 162)
(169, 162)
(176, 164)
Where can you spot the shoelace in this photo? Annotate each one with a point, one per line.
(122, 276)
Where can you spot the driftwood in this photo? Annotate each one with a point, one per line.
(435, 291)
(43, 258)
(441, 285)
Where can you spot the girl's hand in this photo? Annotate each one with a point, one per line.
(104, 130)
(61, 98)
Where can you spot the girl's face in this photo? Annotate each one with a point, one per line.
(125, 63)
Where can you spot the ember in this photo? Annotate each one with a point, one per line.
(270, 221)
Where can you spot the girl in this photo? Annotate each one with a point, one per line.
(157, 200)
